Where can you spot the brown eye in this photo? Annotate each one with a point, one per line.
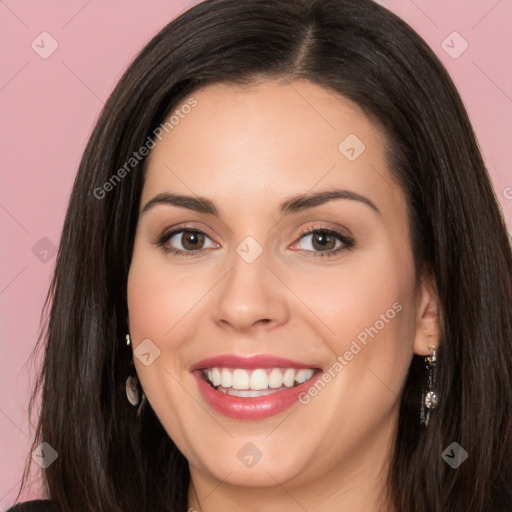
(185, 241)
(192, 240)
(325, 242)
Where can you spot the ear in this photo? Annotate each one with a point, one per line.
(428, 321)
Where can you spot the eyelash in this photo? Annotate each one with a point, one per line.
(348, 243)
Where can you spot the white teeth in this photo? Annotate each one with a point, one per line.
(262, 380)
(303, 375)
(216, 377)
(251, 392)
(289, 377)
(226, 378)
(240, 379)
(275, 378)
(259, 380)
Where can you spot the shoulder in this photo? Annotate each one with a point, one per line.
(33, 506)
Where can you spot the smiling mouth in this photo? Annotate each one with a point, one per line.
(242, 382)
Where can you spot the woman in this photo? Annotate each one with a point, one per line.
(284, 281)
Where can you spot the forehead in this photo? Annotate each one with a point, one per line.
(248, 142)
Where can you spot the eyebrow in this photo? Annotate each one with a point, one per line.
(291, 205)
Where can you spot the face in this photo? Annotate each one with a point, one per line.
(305, 309)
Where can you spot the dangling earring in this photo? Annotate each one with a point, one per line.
(429, 397)
(133, 387)
(132, 390)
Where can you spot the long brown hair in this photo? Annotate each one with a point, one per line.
(109, 459)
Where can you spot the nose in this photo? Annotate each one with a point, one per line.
(251, 297)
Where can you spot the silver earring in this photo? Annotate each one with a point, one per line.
(133, 387)
(132, 390)
(429, 398)
(132, 384)
(133, 393)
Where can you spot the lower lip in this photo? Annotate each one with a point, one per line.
(252, 408)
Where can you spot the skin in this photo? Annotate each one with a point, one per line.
(249, 149)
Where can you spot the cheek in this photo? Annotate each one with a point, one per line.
(164, 302)
(160, 295)
(159, 299)
(366, 308)
(366, 288)
(154, 303)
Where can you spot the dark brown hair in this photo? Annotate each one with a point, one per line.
(112, 461)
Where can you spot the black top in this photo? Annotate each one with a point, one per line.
(33, 506)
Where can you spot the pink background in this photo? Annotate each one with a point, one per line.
(49, 107)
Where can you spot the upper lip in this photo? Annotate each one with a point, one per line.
(248, 362)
